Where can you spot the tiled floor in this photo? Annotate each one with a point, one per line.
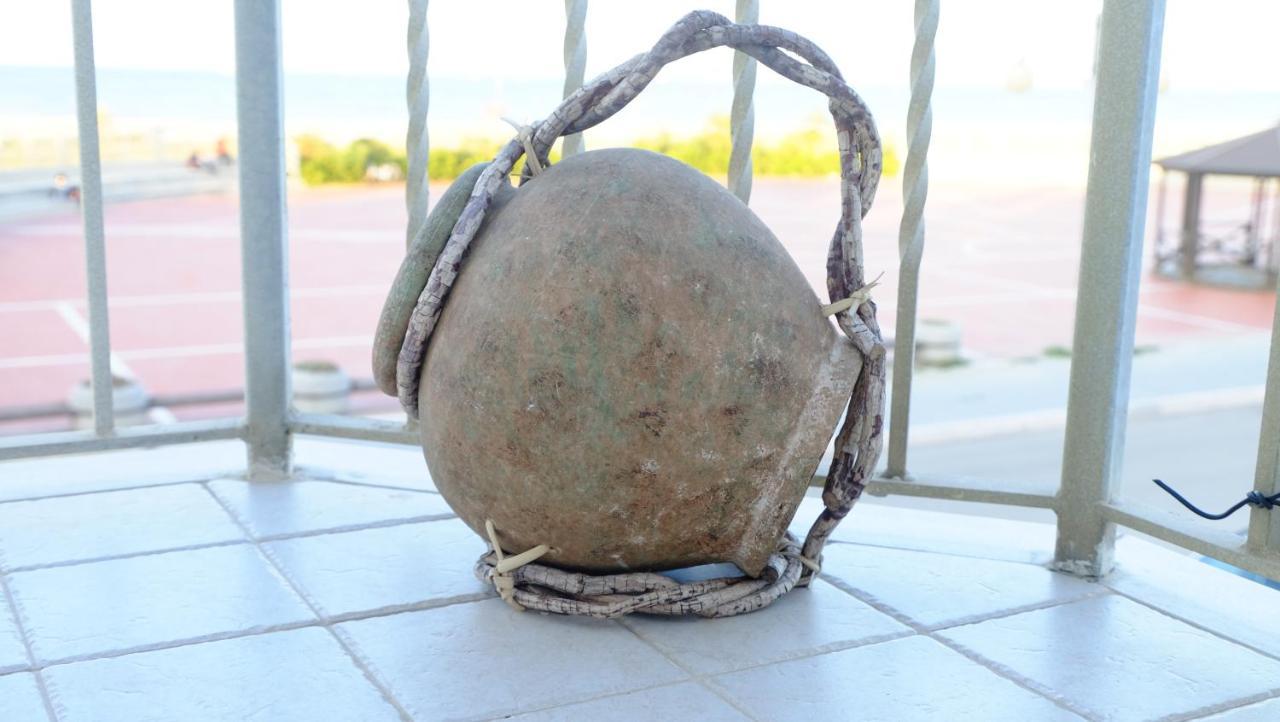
(349, 596)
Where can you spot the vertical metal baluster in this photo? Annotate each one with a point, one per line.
(263, 235)
(1264, 524)
(418, 95)
(915, 190)
(575, 62)
(95, 253)
(742, 116)
(1110, 266)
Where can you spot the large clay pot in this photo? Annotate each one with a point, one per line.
(630, 369)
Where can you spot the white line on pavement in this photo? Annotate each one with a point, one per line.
(80, 327)
(170, 299)
(219, 349)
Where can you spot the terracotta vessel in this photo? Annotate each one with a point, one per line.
(630, 368)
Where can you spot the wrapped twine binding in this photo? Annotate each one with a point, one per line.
(519, 579)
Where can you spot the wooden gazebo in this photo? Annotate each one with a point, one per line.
(1243, 254)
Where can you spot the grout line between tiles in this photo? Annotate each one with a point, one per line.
(19, 620)
(127, 555)
(699, 679)
(365, 666)
(1041, 559)
(222, 475)
(1017, 679)
(929, 629)
(1012, 611)
(926, 631)
(560, 705)
(90, 492)
(1224, 707)
(242, 633)
(422, 606)
(255, 631)
(381, 524)
(1191, 623)
(305, 474)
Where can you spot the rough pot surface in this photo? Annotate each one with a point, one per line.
(631, 369)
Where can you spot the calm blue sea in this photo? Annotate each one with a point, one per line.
(341, 104)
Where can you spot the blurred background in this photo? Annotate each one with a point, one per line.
(1007, 166)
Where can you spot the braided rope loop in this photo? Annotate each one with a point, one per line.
(548, 589)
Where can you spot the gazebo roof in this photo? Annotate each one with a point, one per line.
(1253, 155)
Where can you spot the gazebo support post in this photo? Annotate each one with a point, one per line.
(1273, 240)
(1190, 239)
(1158, 247)
(1253, 231)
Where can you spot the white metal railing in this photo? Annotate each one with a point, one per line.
(264, 241)
(1085, 504)
(418, 95)
(575, 62)
(1110, 269)
(742, 115)
(915, 190)
(95, 249)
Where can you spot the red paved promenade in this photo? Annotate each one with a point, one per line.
(1002, 263)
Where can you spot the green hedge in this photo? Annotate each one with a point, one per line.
(321, 162)
(806, 153)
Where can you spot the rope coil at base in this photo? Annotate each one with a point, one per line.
(519, 579)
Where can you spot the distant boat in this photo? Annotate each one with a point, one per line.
(1020, 77)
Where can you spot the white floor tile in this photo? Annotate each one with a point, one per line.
(20, 699)
(936, 589)
(13, 654)
(684, 701)
(271, 509)
(879, 524)
(107, 470)
(384, 567)
(899, 681)
(485, 659)
(1268, 711)
(373, 463)
(1120, 660)
(123, 604)
(1188, 588)
(110, 523)
(297, 676)
(817, 619)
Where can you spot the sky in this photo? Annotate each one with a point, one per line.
(490, 58)
(1209, 44)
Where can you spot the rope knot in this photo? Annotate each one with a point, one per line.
(503, 582)
(854, 300)
(525, 134)
(791, 550)
(1260, 500)
(1252, 498)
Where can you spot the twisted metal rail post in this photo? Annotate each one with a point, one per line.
(575, 63)
(915, 190)
(418, 96)
(858, 443)
(742, 116)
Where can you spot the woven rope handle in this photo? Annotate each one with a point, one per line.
(858, 443)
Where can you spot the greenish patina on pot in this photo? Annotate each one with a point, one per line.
(630, 369)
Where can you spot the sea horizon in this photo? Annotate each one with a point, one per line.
(1040, 131)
